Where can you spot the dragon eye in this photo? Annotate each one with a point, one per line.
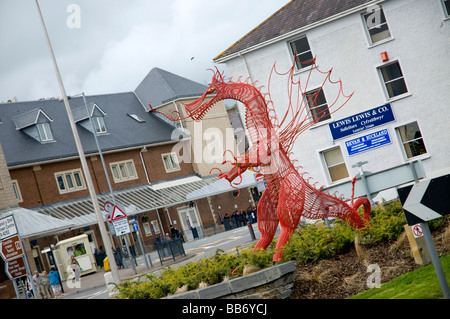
(211, 89)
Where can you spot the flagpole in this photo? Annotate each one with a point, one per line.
(87, 174)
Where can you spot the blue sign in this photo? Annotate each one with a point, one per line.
(368, 142)
(135, 226)
(362, 121)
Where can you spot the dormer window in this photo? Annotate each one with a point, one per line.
(99, 125)
(45, 133)
(81, 117)
(36, 124)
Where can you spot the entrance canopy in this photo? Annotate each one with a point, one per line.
(32, 224)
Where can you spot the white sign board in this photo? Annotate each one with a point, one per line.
(7, 227)
(121, 226)
(417, 231)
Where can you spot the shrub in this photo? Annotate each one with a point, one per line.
(309, 243)
(312, 243)
(210, 270)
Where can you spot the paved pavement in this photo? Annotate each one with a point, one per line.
(97, 279)
(192, 249)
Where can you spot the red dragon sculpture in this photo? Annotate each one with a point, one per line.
(289, 194)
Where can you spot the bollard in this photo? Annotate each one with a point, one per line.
(250, 229)
(110, 284)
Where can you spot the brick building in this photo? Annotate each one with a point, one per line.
(149, 162)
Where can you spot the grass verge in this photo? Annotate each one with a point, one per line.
(419, 284)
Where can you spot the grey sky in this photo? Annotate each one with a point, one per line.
(117, 42)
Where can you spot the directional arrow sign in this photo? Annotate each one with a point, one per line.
(11, 248)
(426, 200)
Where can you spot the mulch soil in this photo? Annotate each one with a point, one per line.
(347, 274)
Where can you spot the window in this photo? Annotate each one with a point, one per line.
(155, 226)
(136, 117)
(99, 125)
(16, 189)
(302, 53)
(318, 105)
(376, 25)
(69, 181)
(170, 162)
(411, 139)
(335, 164)
(446, 4)
(393, 79)
(123, 171)
(76, 250)
(45, 134)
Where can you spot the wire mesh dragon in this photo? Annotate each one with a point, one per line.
(289, 193)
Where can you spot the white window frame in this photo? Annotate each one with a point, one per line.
(172, 165)
(291, 51)
(446, 8)
(99, 125)
(327, 167)
(402, 143)
(45, 132)
(383, 82)
(155, 227)
(123, 171)
(16, 190)
(70, 181)
(367, 28)
(308, 99)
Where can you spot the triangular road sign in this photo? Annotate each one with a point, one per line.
(117, 214)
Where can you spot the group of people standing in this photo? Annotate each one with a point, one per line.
(240, 218)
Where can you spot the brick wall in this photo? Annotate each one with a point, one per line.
(38, 183)
(7, 197)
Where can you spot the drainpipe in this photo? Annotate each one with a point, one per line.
(143, 164)
(176, 109)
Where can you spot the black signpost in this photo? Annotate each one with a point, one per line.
(424, 201)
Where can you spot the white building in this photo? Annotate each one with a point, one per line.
(393, 54)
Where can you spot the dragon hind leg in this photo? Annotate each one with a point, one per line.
(267, 220)
(289, 211)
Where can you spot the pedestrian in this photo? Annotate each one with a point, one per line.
(55, 282)
(37, 279)
(28, 288)
(173, 232)
(46, 288)
(75, 267)
(99, 256)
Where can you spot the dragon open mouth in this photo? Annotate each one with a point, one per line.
(197, 109)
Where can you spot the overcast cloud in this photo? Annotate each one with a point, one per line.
(117, 42)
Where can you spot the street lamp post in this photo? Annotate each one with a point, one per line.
(87, 174)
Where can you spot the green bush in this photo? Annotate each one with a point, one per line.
(210, 270)
(309, 243)
(387, 222)
(312, 243)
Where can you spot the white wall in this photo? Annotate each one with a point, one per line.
(421, 44)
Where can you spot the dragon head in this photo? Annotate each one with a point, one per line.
(197, 109)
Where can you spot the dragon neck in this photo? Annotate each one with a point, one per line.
(256, 112)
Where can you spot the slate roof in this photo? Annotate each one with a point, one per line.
(292, 16)
(123, 131)
(160, 87)
(30, 118)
